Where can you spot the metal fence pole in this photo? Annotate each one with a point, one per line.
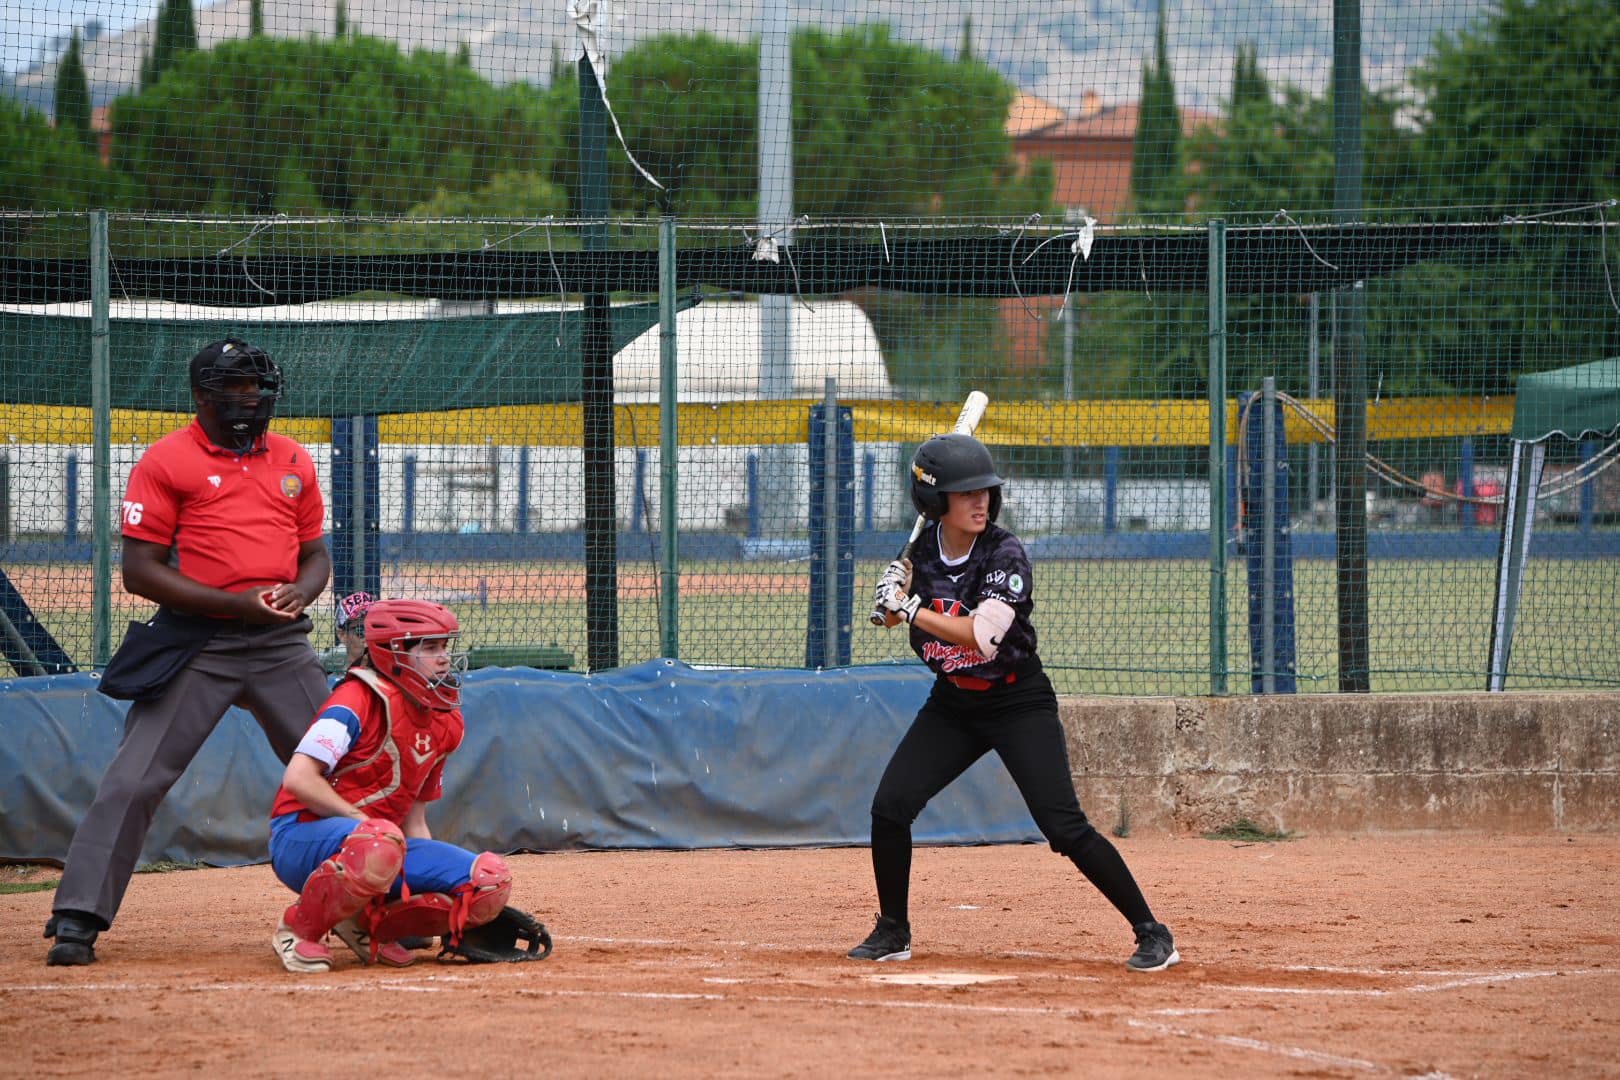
(668, 447)
(1350, 364)
(101, 437)
(829, 523)
(596, 375)
(1268, 542)
(1217, 456)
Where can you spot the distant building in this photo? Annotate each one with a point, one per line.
(101, 127)
(1090, 152)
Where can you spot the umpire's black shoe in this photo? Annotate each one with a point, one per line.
(75, 941)
(889, 940)
(1155, 948)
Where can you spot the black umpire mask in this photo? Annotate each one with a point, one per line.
(236, 387)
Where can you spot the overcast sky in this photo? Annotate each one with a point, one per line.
(25, 25)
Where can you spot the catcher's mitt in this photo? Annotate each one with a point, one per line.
(509, 938)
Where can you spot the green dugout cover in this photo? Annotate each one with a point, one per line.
(333, 367)
(1573, 402)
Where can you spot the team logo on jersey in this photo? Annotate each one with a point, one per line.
(949, 607)
(291, 485)
(214, 480)
(1016, 583)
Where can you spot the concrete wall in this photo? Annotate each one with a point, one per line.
(1349, 763)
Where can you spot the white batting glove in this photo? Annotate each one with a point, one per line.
(897, 573)
(894, 598)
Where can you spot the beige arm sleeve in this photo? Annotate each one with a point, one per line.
(990, 623)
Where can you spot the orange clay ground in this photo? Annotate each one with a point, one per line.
(1433, 955)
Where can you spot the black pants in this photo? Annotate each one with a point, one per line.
(955, 728)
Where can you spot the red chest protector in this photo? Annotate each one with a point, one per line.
(399, 757)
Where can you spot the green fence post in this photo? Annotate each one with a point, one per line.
(668, 446)
(1217, 456)
(101, 437)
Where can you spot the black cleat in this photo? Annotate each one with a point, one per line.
(1155, 948)
(889, 940)
(75, 941)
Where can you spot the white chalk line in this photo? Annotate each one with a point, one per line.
(433, 985)
(401, 986)
(1425, 988)
(1298, 1053)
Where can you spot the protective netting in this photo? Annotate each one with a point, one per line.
(460, 251)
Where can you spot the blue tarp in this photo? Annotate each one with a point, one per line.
(659, 755)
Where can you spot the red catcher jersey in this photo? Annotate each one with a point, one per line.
(235, 522)
(383, 753)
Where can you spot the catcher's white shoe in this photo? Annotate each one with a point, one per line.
(299, 956)
(389, 953)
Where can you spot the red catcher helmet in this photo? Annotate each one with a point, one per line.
(393, 626)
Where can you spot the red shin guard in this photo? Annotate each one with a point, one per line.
(365, 867)
(483, 896)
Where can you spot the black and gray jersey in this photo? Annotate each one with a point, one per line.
(995, 568)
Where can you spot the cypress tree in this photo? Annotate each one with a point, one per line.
(174, 35)
(185, 27)
(1249, 85)
(1156, 178)
(965, 53)
(73, 94)
(256, 19)
(340, 20)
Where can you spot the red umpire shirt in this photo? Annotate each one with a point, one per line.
(234, 521)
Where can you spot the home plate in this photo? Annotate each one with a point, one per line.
(937, 978)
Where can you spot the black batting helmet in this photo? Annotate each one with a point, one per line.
(952, 463)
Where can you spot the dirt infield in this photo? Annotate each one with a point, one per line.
(1421, 955)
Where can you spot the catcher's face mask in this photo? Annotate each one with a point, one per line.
(438, 668)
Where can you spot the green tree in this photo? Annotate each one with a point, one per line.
(881, 128)
(174, 35)
(256, 18)
(1249, 85)
(72, 102)
(1275, 154)
(44, 168)
(354, 124)
(1519, 110)
(340, 19)
(1157, 182)
(965, 50)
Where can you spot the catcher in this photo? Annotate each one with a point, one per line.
(349, 828)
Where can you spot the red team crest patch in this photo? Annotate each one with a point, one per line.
(291, 485)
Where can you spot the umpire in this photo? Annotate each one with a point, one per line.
(222, 529)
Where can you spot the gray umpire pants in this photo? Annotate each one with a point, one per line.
(273, 673)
